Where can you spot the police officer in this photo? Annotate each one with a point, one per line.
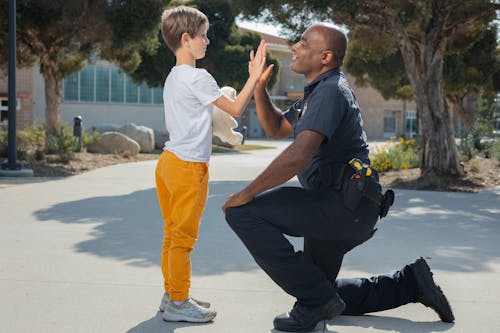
(328, 134)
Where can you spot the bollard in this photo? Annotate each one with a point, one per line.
(77, 132)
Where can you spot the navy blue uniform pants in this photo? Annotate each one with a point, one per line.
(329, 230)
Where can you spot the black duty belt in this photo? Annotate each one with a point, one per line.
(361, 180)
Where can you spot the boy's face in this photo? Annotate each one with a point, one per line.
(198, 44)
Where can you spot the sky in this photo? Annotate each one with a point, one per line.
(271, 29)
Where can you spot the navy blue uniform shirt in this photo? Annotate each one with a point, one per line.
(329, 107)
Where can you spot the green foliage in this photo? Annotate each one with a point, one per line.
(476, 141)
(89, 138)
(467, 148)
(64, 144)
(3, 143)
(493, 151)
(226, 57)
(383, 71)
(403, 154)
(30, 143)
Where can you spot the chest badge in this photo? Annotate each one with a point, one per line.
(304, 109)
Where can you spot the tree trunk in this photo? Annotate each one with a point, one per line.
(423, 60)
(53, 91)
(468, 115)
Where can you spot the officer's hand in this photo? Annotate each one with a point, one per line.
(262, 82)
(235, 200)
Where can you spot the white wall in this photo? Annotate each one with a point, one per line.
(96, 114)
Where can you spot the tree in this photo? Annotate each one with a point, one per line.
(470, 69)
(227, 53)
(422, 31)
(61, 35)
(473, 73)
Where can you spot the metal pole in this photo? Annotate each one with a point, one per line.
(12, 147)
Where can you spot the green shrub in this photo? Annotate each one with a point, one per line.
(3, 143)
(30, 143)
(89, 138)
(493, 150)
(467, 148)
(63, 145)
(396, 156)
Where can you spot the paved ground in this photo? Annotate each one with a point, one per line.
(81, 254)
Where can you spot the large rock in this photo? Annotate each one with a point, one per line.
(103, 128)
(160, 138)
(114, 143)
(143, 135)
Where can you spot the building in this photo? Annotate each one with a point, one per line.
(24, 94)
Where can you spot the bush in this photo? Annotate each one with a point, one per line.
(63, 145)
(3, 143)
(89, 138)
(467, 148)
(493, 150)
(396, 155)
(30, 143)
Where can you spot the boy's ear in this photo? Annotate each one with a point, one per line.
(185, 37)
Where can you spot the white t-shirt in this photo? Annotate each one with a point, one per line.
(188, 95)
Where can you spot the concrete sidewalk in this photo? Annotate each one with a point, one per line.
(81, 254)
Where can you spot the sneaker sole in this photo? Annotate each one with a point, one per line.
(177, 318)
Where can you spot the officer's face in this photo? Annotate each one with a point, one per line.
(308, 53)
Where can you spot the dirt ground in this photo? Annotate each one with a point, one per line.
(481, 173)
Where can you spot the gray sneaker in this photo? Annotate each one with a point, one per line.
(166, 298)
(188, 311)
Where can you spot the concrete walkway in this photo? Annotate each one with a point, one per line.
(81, 254)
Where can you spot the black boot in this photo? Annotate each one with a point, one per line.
(302, 318)
(430, 294)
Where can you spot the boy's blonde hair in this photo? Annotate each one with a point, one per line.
(178, 20)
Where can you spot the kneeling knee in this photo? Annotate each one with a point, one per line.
(232, 215)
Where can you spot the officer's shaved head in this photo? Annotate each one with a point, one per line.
(334, 39)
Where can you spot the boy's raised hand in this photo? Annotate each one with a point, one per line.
(265, 72)
(257, 62)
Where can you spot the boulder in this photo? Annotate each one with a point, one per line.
(102, 128)
(143, 135)
(160, 138)
(114, 143)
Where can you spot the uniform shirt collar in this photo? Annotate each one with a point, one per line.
(310, 87)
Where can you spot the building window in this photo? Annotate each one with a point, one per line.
(87, 84)
(390, 124)
(117, 86)
(70, 87)
(410, 124)
(102, 84)
(106, 84)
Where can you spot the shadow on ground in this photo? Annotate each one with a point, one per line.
(450, 228)
(390, 324)
(157, 325)
(460, 231)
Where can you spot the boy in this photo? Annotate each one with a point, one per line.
(182, 171)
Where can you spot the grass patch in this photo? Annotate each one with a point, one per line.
(238, 148)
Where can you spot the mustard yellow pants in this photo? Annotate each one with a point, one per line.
(182, 189)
